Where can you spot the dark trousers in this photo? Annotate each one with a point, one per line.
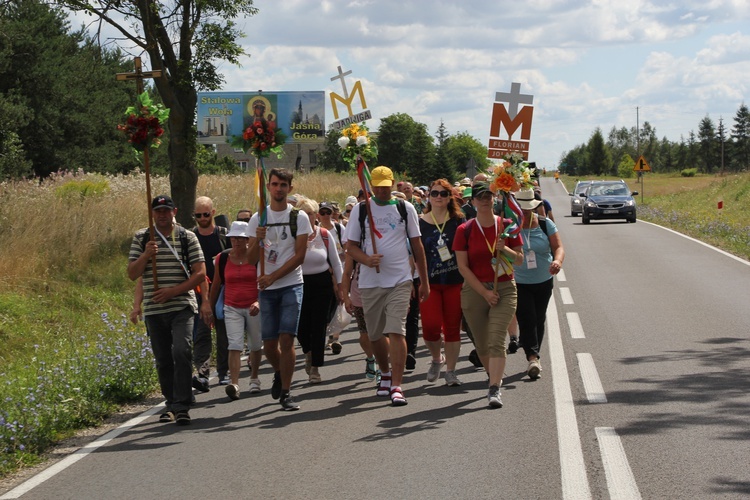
(412, 320)
(170, 335)
(203, 345)
(531, 314)
(317, 297)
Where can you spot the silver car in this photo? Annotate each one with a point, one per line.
(577, 197)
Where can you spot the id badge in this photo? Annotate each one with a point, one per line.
(530, 259)
(272, 256)
(444, 253)
(504, 268)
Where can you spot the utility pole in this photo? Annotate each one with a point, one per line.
(721, 138)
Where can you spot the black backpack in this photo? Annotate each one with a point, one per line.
(292, 222)
(400, 206)
(182, 235)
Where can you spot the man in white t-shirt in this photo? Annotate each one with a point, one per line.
(284, 243)
(385, 279)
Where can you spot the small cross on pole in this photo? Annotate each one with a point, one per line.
(514, 98)
(341, 76)
(138, 76)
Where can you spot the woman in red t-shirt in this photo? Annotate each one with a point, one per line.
(478, 246)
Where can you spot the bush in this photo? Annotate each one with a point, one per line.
(689, 172)
(78, 190)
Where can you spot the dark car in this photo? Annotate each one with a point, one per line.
(577, 197)
(609, 200)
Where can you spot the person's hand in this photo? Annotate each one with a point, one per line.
(206, 314)
(265, 281)
(491, 297)
(555, 267)
(162, 295)
(260, 232)
(348, 305)
(136, 315)
(151, 249)
(373, 260)
(424, 291)
(254, 308)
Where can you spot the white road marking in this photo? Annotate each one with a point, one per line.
(591, 382)
(565, 295)
(620, 480)
(574, 324)
(66, 462)
(747, 263)
(561, 275)
(575, 482)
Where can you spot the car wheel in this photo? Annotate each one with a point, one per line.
(632, 220)
(573, 214)
(586, 220)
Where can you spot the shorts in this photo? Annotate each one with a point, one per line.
(238, 324)
(281, 308)
(385, 309)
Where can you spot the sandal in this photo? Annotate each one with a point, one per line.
(384, 386)
(167, 416)
(397, 397)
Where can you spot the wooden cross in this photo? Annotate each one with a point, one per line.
(138, 76)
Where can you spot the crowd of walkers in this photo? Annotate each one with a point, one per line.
(276, 280)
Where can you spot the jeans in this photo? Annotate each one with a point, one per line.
(280, 309)
(171, 335)
(531, 314)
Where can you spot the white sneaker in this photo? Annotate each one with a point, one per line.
(254, 386)
(433, 372)
(534, 370)
(233, 391)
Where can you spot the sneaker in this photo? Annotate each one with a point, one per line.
(233, 391)
(493, 397)
(534, 370)
(335, 347)
(200, 384)
(276, 387)
(224, 380)
(433, 372)
(288, 403)
(182, 418)
(254, 386)
(513, 345)
(315, 375)
(370, 368)
(308, 362)
(167, 416)
(411, 363)
(474, 360)
(451, 379)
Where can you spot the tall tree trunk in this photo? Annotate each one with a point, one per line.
(183, 177)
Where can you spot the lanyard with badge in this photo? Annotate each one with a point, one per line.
(529, 254)
(504, 267)
(442, 247)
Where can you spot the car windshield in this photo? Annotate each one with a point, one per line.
(609, 190)
(582, 187)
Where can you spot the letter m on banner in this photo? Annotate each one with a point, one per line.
(506, 121)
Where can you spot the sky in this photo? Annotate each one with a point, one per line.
(588, 64)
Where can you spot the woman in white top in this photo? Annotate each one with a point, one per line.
(321, 272)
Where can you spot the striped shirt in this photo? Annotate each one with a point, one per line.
(169, 271)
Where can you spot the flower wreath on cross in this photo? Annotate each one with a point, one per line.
(356, 141)
(261, 139)
(144, 123)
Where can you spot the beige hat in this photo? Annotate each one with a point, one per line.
(526, 200)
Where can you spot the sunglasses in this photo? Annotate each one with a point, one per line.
(442, 194)
(348, 212)
(202, 215)
(325, 212)
(244, 219)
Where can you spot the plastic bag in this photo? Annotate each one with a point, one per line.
(220, 304)
(340, 320)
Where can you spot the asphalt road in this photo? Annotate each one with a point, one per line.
(645, 393)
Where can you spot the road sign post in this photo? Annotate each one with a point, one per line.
(641, 166)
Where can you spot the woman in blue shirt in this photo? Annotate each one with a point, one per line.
(543, 257)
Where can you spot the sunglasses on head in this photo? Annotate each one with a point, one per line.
(201, 215)
(435, 193)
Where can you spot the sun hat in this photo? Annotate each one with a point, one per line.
(466, 192)
(465, 182)
(238, 229)
(381, 177)
(526, 199)
(350, 200)
(479, 188)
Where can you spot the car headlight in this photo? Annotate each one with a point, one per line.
(577, 202)
(630, 203)
(590, 204)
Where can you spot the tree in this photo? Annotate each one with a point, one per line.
(460, 148)
(741, 138)
(396, 136)
(66, 104)
(625, 167)
(707, 145)
(598, 156)
(184, 39)
(442, 168)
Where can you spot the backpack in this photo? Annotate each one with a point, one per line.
(292, 222)
(400, 206)
(182, 235)
(222, 232)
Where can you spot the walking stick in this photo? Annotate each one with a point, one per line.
(363, 173)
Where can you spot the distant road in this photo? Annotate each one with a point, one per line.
(645, 393)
